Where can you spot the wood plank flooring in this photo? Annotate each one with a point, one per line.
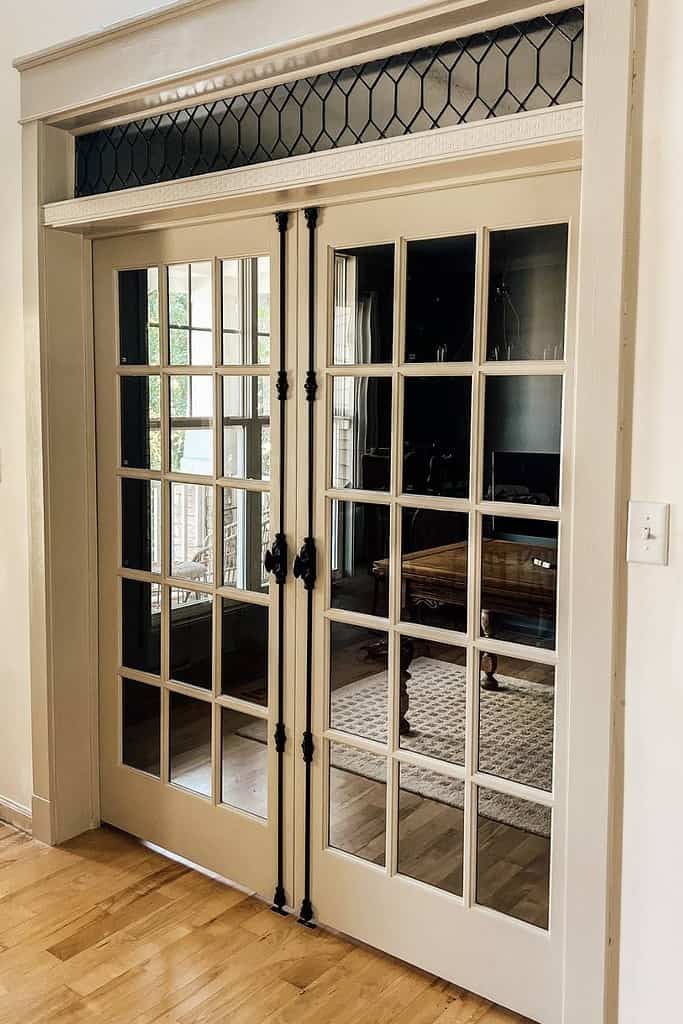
(104, 930)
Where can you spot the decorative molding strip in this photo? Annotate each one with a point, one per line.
(500, 134)
(15, 814)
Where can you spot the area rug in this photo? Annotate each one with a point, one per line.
(516, 736)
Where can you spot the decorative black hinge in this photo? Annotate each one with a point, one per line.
(305, 564)
(275, 558)
(280, 737)
(310, 385)
(281, 385)
(307, 746)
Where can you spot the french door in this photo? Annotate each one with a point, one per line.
(376, 731)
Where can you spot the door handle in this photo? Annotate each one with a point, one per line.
(305, 564)
(275, 558)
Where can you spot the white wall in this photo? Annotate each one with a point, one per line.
(26, 26)
(652, 909)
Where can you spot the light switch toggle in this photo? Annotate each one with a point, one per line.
(648, 533)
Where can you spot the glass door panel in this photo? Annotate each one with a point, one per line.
(440, 636)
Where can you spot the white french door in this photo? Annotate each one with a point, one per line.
(424, 449)
(445, 338)
(189, 468)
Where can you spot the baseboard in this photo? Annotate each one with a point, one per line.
(15, 814)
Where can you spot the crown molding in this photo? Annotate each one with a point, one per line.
(516, 131)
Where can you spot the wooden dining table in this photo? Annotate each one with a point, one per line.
(517, 579)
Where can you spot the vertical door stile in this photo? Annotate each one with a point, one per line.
(305, 566)
(276, 563)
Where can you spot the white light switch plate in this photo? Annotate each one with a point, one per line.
(648, 533)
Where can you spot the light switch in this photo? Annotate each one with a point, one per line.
(648, 532)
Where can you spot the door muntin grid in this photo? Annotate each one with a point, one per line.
(482, 784)
(197, 618)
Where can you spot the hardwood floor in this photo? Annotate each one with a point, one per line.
(104, 930)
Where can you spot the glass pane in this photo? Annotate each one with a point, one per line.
(527, 293)
(430, 828)
(190, 316)
(141, 726)
(359, 553)
(192, 424)
(436, 436)
(513, 856)
(522, 438)
(246, 311)
(246, 427)
(139, 317)
(434, 567)
(440, 299)
(433, 699)
(358, 798)
(190, 743)
(141, 422)
(361, 433)
(359, 680)
(516, 723)
(246, 535)
(244, 775)
(518, 581)
(244, 651)
(141, 524)
(141, 625)
(191, 637)
(364, 304)
(192, 531)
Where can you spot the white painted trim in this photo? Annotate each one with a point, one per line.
(15, 814)
(514, 132)
(64, 86)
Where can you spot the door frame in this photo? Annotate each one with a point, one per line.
(60, 398)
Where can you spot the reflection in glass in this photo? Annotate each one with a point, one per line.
(141, 524)
(363, 304)
(192, 424)
(246, 427)
(522, 438)
(433, 699)
(513, 856)
(518, 582)
(516, 723)
(190, 315)
(436, 436)
(244, 651)
(527, 293)
(434, 567)
(191, 637)
(139, 317)
(141, 422)
(244, 775)
(430, 828)
(359, 552)
(358, 797)
(141, 625)
(246, 311)
(359, 679)
(246, 534)
(141, 726)
(192, 532)
(190, 743)
(361, 433)
(440, 299)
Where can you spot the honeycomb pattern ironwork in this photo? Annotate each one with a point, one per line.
(514, 68)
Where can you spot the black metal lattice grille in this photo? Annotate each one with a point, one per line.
(519, 67)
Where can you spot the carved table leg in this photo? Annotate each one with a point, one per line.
(407, 653)
(489, 662)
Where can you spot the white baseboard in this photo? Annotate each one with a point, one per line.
(15, 814)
